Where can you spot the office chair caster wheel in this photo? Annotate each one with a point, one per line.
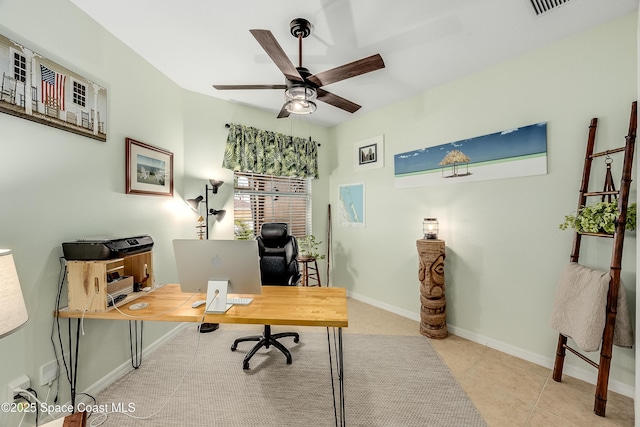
(233, 347)
(296, 339)
(245, 365)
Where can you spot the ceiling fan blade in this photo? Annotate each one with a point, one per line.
(283, 113)
(273, 49)
(352, 69)
(337, 101)
(236, 87)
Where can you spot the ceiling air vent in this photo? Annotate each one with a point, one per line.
(542, 6)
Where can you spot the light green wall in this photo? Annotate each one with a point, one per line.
(504, 248)
(56, 186)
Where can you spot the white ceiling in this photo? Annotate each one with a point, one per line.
(424, 43)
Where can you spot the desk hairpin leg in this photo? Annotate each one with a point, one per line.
(339, 407)
(136, 357)
(73, 361)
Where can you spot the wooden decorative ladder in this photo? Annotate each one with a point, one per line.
(616, 257)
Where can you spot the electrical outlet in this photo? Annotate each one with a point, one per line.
(48, 372)
(22, 382)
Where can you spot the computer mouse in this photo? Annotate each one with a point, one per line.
(138, 306)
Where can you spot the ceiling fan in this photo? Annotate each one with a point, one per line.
(301, 87)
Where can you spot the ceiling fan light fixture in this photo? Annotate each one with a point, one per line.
(300, 92)
(299, 99)
(300, 107)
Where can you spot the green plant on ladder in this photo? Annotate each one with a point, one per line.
(599, 217)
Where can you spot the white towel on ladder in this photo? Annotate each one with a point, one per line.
(580, 307)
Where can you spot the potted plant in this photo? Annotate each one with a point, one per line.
(309, 247)
(599, 218)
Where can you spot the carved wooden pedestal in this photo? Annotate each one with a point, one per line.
(433, 322)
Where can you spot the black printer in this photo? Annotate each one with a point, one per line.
(108, 248)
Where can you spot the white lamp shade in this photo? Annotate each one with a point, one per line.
(13, 312)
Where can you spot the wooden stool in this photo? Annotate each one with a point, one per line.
(309, 263)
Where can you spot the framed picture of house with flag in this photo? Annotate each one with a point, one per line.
(40, 90)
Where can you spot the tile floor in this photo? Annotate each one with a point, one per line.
(506, 390)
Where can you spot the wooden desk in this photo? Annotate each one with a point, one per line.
(277, 305)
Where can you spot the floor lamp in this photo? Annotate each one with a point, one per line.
(13, 312)
(218, 214)
(194, 203)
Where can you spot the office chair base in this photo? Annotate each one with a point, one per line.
(204, 328)
(266, 340)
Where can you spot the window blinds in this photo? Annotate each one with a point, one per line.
(263, 198)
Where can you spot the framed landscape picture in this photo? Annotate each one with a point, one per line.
(149, 169)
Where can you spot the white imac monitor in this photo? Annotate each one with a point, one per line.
(234, 262)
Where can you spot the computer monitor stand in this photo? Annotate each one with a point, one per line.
(217, 297)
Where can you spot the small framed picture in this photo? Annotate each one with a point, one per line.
(149, 169)
(368, 154)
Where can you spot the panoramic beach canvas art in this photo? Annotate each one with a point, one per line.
(511, 153)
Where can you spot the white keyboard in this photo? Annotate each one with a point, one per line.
(239, 301)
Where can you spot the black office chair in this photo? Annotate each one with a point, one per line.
(278, 253)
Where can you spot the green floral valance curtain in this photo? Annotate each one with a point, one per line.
(259, 151)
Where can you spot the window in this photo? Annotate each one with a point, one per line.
(79, 94)
(19, 66)
(263, 198)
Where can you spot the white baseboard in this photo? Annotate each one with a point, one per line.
(589, 376)
(126, 367)
(387, 307)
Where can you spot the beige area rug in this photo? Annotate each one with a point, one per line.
(389, 381)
